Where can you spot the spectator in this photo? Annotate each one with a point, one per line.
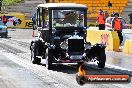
(109, 4)
(101, 20)
(4, 19)
(112, 14)
(130, 17)
(117, 26)
(106, 14)
(34, 20)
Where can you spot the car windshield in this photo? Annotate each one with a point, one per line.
(1, 23)
(68, 18)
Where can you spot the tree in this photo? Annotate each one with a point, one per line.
(0, 4)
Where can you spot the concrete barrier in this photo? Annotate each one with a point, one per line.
(127, 48)
(127, 34)
(131, 26)
(16, 20)
(93, 28)
(109, 38)
(92, 24)
(28, 24)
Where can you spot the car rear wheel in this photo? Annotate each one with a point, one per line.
(102, 60)
(34, 59)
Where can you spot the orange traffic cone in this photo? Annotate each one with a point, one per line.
(33, 34)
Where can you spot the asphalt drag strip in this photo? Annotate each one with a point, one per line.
(13, 75)
(61, 76)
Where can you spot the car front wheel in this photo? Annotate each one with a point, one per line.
(5, 35)
(102, 60)
(34, 59)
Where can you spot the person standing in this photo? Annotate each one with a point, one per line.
(106, 14)
(112, 14)
(4, 19)
(117, 26)
(130, 17)
(34, 21)
(109, 4)
(101, 20)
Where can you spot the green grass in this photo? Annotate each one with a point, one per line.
(9, 2)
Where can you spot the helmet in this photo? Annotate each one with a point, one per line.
(116, 14)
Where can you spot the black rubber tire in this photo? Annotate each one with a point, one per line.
(49, 59)
(34, 59)
(2, 36)
(5, 35)
(102, 60)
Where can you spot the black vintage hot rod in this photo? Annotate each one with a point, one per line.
(62, 36)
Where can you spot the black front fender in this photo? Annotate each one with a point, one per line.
(31, 44)
(40, 46)
(98, 48)
(95, 50)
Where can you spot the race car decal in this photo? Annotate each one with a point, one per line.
(104, 39)
(11, 21)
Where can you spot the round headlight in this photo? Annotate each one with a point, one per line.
(64, 45)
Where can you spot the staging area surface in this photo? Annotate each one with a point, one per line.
(17, 71)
